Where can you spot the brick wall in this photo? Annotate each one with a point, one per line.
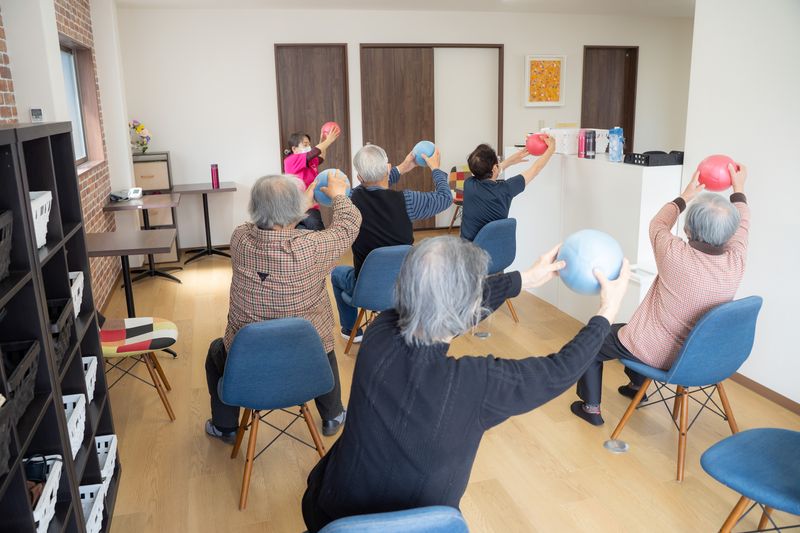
(8, 106)
(73, 20)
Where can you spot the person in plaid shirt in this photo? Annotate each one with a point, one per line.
(280, 271)
(693, 278)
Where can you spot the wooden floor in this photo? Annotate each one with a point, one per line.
(543, 471)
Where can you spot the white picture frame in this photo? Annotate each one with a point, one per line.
(543, 70)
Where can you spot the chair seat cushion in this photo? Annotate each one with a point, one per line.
(761, 464)
(433, 519)
(646, 370)
(131, 336)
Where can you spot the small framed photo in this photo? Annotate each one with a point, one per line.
(544, 80)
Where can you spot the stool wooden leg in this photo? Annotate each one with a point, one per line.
(676, 406)
(312, 428)
(160, 371)
(631, 408)
(453, 220)
(240, 432)
(682, 434)
(734, 516)
(727, 407)
(513, 312)
(248, 465)
(148, 362)
(354, 331)
(765, 517)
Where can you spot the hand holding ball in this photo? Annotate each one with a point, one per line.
(328, 127)
(322, 181)
(535, 144)
(585, 251)
(714, 173)
(422, 147)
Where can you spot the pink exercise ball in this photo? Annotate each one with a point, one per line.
(535, 144)
(714, 173)
(329, 127)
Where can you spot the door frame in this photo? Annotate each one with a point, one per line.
(346, 126)
(500, 64)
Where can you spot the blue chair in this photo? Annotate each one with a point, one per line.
(762, 465)
(434, 519)
(499, 238)
(374, 290)
(716, 347)
(274, 365)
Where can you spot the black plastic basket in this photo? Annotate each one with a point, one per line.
(61, 313)
(6, 225)
(21, 362)
(5, 436)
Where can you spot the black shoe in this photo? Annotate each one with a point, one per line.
(593, 418)
(332, 427)
(630, 392)
(356, 339)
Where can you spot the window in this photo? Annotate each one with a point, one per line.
(69, 65)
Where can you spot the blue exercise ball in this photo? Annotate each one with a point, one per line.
(322, 181)
(584, 251)
(423, 147)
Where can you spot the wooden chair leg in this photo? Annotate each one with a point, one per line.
(240, 432)
(160, 371)
(682, 434)
(765, 517)
(676, 406)
(248, 465)
(312, 428)
(513, 312)
(734, 516)
(453, 220)
(727, 407)
(354, 331)
(148, 362)
(631, 408)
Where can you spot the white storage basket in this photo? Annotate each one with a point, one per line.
(76, 286)
(93, 501)
(45, 508)
(106, 456)
(90, 374)
(75, 407)
(41, 201)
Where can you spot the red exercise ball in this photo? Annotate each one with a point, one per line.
(714, 173)
(535, 144)
(328, 127)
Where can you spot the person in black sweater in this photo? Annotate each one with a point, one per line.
(417, 416)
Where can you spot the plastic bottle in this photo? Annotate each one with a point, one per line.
(581, 143)
(615, 143)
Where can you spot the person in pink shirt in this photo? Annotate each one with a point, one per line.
(303, 161)
(694, 276)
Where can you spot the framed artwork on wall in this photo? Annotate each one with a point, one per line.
(544, 80)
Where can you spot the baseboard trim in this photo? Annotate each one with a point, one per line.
(767, 393)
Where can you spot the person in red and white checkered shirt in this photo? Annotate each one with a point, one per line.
(693, 278)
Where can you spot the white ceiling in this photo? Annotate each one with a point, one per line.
(661, 8)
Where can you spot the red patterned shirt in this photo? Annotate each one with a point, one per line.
(282, 273)
(693, 277)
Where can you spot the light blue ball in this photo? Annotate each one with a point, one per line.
(585, 251)
(322, 181)
(423, 147)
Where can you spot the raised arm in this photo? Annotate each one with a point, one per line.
(420, 205)
(661, 235)
(738, 243)
(537, 166)
(334, 241)
(327, 140)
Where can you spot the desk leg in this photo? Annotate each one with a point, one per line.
(208, 250)
(126, 279)
(153, 271)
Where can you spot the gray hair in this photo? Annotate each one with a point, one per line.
(711, 219)
(277, 201)
(370, 163)
(439, 290)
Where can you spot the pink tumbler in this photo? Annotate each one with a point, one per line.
(214, 176)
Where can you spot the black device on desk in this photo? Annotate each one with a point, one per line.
(655, 158)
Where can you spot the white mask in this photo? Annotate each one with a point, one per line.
(303, 149)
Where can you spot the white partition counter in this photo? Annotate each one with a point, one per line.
(571, 194)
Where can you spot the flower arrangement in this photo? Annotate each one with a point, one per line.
(140, 136)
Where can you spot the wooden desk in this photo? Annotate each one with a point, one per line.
(129, 242)
(205, 189)
(146, 202)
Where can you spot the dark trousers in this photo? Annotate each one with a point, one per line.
(226, 417)
(590, 386)
(313, 221)
(314, 517)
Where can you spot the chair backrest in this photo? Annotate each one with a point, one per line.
(499, 238)
(717, 345)
(457, 176)
(374, 288)
(434, 519)
(275, 364)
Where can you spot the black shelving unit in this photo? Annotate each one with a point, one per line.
(39, 157)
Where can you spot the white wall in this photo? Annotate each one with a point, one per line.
(743, 101)
(203, 80)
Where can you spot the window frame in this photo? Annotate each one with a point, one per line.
(73, 51)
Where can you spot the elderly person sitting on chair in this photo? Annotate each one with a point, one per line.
(693, 277)
(417, 416)
(280, 271)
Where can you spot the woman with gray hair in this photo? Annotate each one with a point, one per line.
(694, 276)
(279, 271)
(417, 416)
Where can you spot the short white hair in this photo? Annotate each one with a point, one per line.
(277, 201)
(712, 219)
(370, 163)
